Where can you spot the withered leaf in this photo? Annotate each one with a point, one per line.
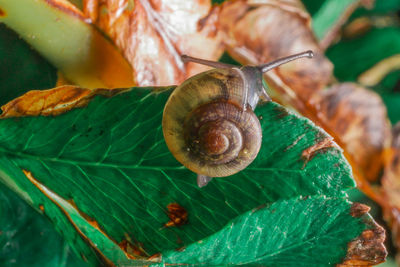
(358, 116)
(53, 101)
(154, 34)
(391, 186)
(262, 31)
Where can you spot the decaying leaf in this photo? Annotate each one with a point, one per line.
(154, 34)
(59, 31)
(53, 101)
(367, 249)
(262, 31)
(358, 116)
(391, 187)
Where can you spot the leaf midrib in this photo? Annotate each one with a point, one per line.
(116, 166)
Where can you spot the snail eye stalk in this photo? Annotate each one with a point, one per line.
(276, 63)
(214, 64)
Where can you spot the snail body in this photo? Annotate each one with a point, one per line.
(208, 121)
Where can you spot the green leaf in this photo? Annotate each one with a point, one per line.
(110, 160)
(328, 15)
(363, 52)
(295, 232)
(313, 6)
(392, 102)
(21, 69)
(23, 233)
(380, 8)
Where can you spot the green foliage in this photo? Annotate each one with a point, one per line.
(21, 68)
(392, 102)
(380, 8)
(27, 239)
(328, 14)
(363, 52)
(311, 234)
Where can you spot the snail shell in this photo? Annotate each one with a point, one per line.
(209, 125)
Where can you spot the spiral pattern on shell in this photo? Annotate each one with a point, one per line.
(206, 127)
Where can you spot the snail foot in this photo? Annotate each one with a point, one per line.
(203, 180)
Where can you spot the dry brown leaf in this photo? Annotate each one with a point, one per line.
(154, 34)
(262, 31)
(52, 102)
(359, 117)
(391, 187)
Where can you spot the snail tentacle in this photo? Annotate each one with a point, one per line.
(214, 64)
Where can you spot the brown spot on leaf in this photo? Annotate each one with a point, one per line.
(368, 248)
(181, 249)
(132, 251)
(357, 210)
(177, 214)
(52, 102)
(309, 153)
(41, 207)
(156, 257)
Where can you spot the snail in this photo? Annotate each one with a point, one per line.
(208, 121)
